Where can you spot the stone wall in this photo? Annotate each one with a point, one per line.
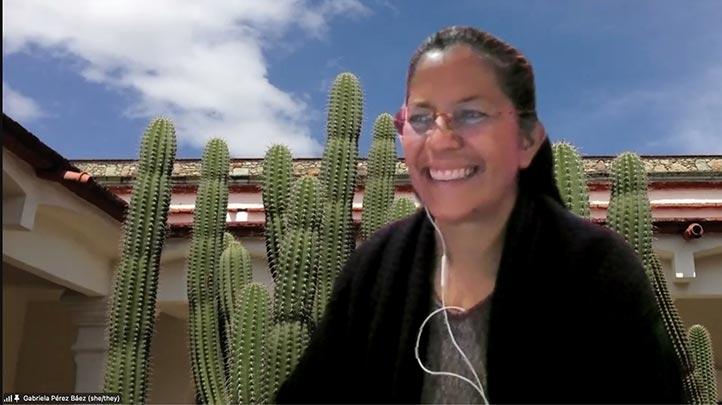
(251, 169)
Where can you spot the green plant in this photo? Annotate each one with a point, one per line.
(249, 348)
(295, 286)
(571, 178)
(379, 190)
(277, 179)
(400, 208)
(630, 215)
(209, 220)
(235, 273)
(245, 341)
(701, 344)
(135, 283)
(338, 184)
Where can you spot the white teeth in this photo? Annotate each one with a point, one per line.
(446, 175)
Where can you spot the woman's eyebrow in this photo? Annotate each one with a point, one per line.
(471, 98)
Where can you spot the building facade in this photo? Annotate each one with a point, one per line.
(62, 225)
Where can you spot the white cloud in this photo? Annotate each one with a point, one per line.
(18, 106)
(202, 66)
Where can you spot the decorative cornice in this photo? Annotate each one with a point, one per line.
(249, 171)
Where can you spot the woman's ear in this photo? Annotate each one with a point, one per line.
(530, 144)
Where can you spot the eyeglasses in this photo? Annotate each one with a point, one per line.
(464, 122)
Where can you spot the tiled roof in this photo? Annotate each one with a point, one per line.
(249, 170)
(50, 165)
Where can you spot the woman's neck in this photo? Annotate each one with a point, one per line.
(473, 253)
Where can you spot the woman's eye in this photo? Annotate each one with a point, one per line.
(470, 116)
(420, 118)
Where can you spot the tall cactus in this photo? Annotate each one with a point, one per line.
(571, 178)
(286, 344)
(249, 333)
(295, 287)
(207, 360)
(135, 283)
(630, 215)
(701, 347)
(401, 208)
(277, 178)
(235, 273)
(379, 192)
(338, 184)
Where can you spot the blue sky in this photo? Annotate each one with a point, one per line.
(86, 76)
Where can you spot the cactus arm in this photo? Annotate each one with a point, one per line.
(207, 360)
(400, 208)
(338, 184)
(249, 368)
(135, 283)
(277, 179)
(630, 215)
(703, 356)
(294, 293)
(379, 191)
(571, 178)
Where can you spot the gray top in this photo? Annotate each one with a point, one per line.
(470, 331)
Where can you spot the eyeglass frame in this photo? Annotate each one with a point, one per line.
(401, 118)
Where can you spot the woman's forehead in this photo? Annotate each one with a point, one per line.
(457, 76)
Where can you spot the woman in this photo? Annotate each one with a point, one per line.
(493, 293)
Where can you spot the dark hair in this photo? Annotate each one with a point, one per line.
(515, 74)
(516, 79)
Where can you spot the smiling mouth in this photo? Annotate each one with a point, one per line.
(454, 174)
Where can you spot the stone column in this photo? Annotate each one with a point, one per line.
(90, 346)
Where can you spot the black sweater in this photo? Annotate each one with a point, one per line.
(574, 319)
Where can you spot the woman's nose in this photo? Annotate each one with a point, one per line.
(442, 138)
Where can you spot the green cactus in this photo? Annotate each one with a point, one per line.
(379, 192)
(401, 208)
(235, 273)
(227, 239)
(701, 347)
(135, 283)
(628, 174)
(294, 293)
(209, 221)
(630, 215)
(286, 344)
(277, 178)
(249, 333)
(571, 178)
(338, 184)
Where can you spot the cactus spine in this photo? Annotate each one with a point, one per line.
(207, 359)
(286, 342)
(135, 284)
(295, 287)
(379, 193)
(571, 178)
(277, 178)
(235, 268)
(701, 348)
(401, 208)
(249, 369)
(630, 215)
(338, 184)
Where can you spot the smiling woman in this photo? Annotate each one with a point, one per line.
(494, 292)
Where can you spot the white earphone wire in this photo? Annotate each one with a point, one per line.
(478, 386)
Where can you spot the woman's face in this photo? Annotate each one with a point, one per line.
(471, 168)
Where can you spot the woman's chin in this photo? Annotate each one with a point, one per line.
(448, 213)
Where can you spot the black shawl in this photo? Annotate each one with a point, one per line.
(574, 319)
